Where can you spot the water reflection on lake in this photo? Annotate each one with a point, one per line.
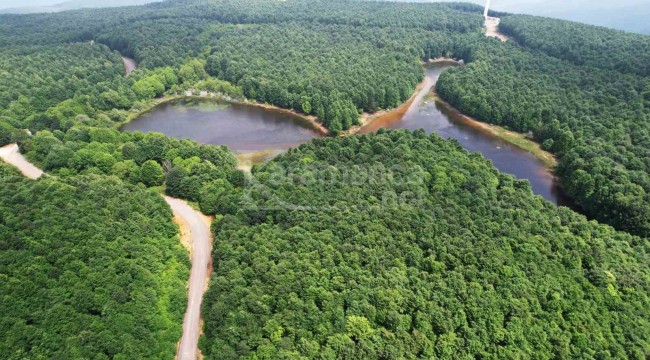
(242, 128)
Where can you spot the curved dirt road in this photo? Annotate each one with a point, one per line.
(11, 155)
(199, 230)
(201, 248)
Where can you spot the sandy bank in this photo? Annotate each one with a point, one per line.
(375, 121)
(517, 139)
(129, 65)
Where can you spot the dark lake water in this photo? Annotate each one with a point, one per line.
(436, 118)
(248, 129)
(242, 128)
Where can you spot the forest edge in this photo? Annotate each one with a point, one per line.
(195, 236)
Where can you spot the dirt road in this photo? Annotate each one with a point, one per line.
(492, 26)
(129, 65)
(199, 233)
(201, 248)
(11, 155)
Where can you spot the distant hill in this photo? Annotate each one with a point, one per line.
(628, 15)
(72, 5)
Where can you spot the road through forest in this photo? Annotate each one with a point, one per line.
(200, 239)
(201, 248)
(492, 29)
(11, 155)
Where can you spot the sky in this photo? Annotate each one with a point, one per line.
(629, 15)
(13, 3)
(7, 4)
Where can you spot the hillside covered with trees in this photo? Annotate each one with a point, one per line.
(581, 91)
(90, 268)
(186, 168)
(402, 245)
(312, 43)
(35, 78)
(582, 44)
(582, 105)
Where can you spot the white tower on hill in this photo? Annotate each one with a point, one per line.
(487, 7)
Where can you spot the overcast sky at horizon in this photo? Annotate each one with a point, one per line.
(7, 4)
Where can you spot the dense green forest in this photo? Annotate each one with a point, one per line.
(308, 68)
(582, 44)
(312, 43)
(394, 245)
(594, 117)
(90, 268)
(34, 78)
(178, 24)
(103, 102)
(304, 63)
(332, 71)
(404, 246)
(187, 168)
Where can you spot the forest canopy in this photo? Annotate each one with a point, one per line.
(593, 114)
(322, 50)
(402, 245)
(582, 44)
(395, 245)
(90, 268)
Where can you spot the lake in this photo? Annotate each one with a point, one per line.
(250, 129)
(243, 128)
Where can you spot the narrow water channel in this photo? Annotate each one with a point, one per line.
(436, 118)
